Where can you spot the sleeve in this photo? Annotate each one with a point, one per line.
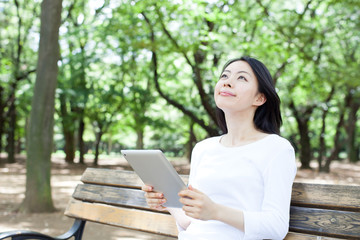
(272, 222)
(183, 221)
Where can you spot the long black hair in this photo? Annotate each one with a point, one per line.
(267, 117)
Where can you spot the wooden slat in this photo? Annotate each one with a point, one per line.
(111, 195)
(301, 236)
(134, 219)
(123, 217)
(325, 222)
(303, 194)
(113, 177)
(340, 197)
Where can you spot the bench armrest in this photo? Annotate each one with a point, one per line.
(75, 231)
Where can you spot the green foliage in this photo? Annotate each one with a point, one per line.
(107, 73)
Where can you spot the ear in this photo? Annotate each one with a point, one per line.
(260, 99)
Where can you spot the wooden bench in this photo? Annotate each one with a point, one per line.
(114, 197)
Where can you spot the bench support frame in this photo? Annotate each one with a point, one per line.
(75, 231)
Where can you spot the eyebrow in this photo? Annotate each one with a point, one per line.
(238, 72)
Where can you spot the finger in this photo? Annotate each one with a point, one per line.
(195, 190)
(184, 193)
(190, 211)
(160, 208)
(188, 194)
(187, 201)
(155, 201)
(154, 195)
(147, 188)
(192, 215)
(156, 207)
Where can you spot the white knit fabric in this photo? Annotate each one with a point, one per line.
(255, 178)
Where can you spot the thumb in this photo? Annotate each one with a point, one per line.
(194, 189)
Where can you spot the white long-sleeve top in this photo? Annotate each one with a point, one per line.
(255, 178)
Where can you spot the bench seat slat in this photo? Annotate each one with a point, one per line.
(324, 222)
(141, 220)
(340, 197)
(135, 198)
(123, 217)
(111, 195)
(303, 194)
(120, 178)
(301, 236)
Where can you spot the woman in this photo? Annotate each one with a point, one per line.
(240, 183)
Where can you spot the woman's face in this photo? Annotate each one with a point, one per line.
(237, 89)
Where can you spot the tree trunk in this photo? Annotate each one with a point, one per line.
(191, 142)
(302, 119)
(140, 138)
(336, 150)
(322, 145)
(81, 140)
(2, 117)
(68, 130)
(39, 146)
(69, 147)
(351, 131)
(337, 144)
(305, 149)
(81, 110)
(18, 146)
(109, 146)
(97, 145)
(10, 148)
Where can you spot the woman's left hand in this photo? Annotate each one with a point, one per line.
(197, 204)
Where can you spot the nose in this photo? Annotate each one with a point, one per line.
(227, 82)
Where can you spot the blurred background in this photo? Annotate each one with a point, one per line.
(141, 74)
(111, 94)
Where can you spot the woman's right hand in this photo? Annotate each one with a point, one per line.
(154, 199)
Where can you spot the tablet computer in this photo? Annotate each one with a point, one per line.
(155, 170)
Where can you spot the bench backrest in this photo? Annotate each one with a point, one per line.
(114, 197)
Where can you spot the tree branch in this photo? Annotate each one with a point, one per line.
(210, 130)
(69, 16)
(168, 34)
(199, 58)
(25, 75)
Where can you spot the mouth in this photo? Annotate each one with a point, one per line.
(226, 94)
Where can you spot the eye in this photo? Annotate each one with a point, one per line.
(223, 75)
(242, 78)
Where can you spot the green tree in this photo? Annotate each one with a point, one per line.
(105, 102)
(39, 146)
(16, 63)
(73, 75)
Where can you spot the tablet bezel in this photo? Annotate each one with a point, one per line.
(155, 170)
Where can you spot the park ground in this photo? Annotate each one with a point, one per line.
(66, 176)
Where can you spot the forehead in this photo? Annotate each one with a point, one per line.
(239, 66)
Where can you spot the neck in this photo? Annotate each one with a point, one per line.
(241, 129)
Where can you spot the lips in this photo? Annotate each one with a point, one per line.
(226, 94)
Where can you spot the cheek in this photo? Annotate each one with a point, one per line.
(216, 93)
(217, 89)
